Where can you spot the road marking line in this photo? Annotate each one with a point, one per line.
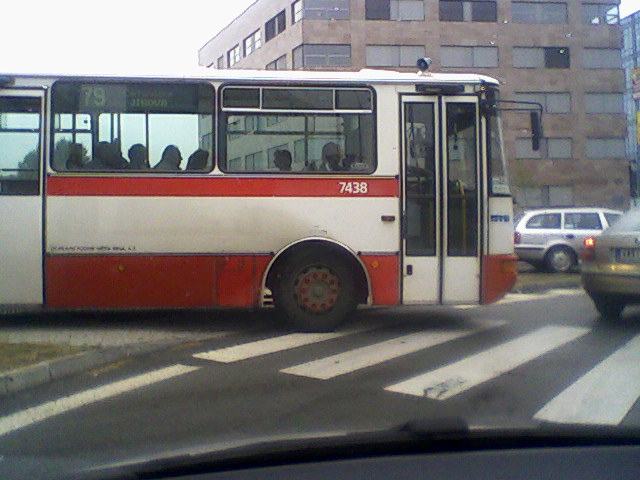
(50, 409)
(267, 346)
(458, 377)
(359, 358)
(603, 395)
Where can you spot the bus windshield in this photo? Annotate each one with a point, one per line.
(496, 158)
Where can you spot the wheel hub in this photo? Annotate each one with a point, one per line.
(317, 289)
(561, 260)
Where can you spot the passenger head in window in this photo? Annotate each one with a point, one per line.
(331, 157)
(170, 160)
(282, 159)
(138, 158)
(198, 160)
(107, 156)
(75, 160)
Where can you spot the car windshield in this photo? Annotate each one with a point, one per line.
(228, 226)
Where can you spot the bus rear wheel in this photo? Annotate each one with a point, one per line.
(315, 291)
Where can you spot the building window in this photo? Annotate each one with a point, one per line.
(600, 14)
(220, 62)
(539, 12)
(468, 11)
(557, 102)
(394, 10)
(605, 148)
(321, 55)
(559, 148)
(279, 63)
(541, 57)
(296, 11)
(604, 103)
(233, 56)
(326, 9)
(552, 148)
(547, 196)
(478, 57)
(252, 43)
(601, 58)
(275, 26)
(394, 55)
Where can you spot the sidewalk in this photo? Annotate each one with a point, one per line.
(35, 349)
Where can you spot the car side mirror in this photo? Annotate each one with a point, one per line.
(536, 130)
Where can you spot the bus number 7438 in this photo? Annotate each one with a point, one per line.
(358, 188)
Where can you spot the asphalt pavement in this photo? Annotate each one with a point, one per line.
(534, 358)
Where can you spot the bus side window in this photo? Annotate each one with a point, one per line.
(125, 127)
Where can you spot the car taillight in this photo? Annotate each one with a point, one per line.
(589, 250)
(517, 238)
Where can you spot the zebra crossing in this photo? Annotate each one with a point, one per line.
(604, 395)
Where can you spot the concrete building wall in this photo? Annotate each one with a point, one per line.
(578, 180)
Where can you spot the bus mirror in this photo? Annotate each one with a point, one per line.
(536, 131)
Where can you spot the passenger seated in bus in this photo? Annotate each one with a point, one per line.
(198, 160)
(106, 156)
(138, 158)
(75, 158)
(282, 159)
(170, 160)
(331, 157)
(309, 166)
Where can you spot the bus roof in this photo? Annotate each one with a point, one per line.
(363, 76)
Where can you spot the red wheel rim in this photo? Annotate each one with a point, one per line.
(317, 289)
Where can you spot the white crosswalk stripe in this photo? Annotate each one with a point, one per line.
(460, 376)
(42, 412)
(602, 396)
(353, 360)
(259, 348)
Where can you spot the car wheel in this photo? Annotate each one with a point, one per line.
(560, 260)
(609, 308)
(315, 291)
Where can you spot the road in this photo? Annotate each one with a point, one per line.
(532, 358)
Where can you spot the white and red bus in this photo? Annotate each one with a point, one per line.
(315, 192)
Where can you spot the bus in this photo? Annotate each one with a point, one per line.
(311, 192)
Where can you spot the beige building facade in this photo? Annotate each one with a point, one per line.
(562, 54)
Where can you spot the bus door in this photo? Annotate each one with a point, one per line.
(441, 262)
(21, 147)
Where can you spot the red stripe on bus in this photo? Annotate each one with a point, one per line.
(181, 281)
(222, 187)
(154, 281)
(384, 275)
(499, 275)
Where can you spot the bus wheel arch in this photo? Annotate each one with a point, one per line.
(335, 253)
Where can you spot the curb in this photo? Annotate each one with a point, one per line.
(541, 288)
(27, 377)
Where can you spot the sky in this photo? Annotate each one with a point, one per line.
(118, 36)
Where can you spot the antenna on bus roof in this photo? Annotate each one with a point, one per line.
(423, 65)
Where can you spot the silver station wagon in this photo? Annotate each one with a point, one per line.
(552, 239)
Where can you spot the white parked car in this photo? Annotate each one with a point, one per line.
(552, 238)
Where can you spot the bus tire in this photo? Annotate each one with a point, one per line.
(315, 291)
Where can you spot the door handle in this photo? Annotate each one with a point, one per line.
(409, 269)
(388, 218)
